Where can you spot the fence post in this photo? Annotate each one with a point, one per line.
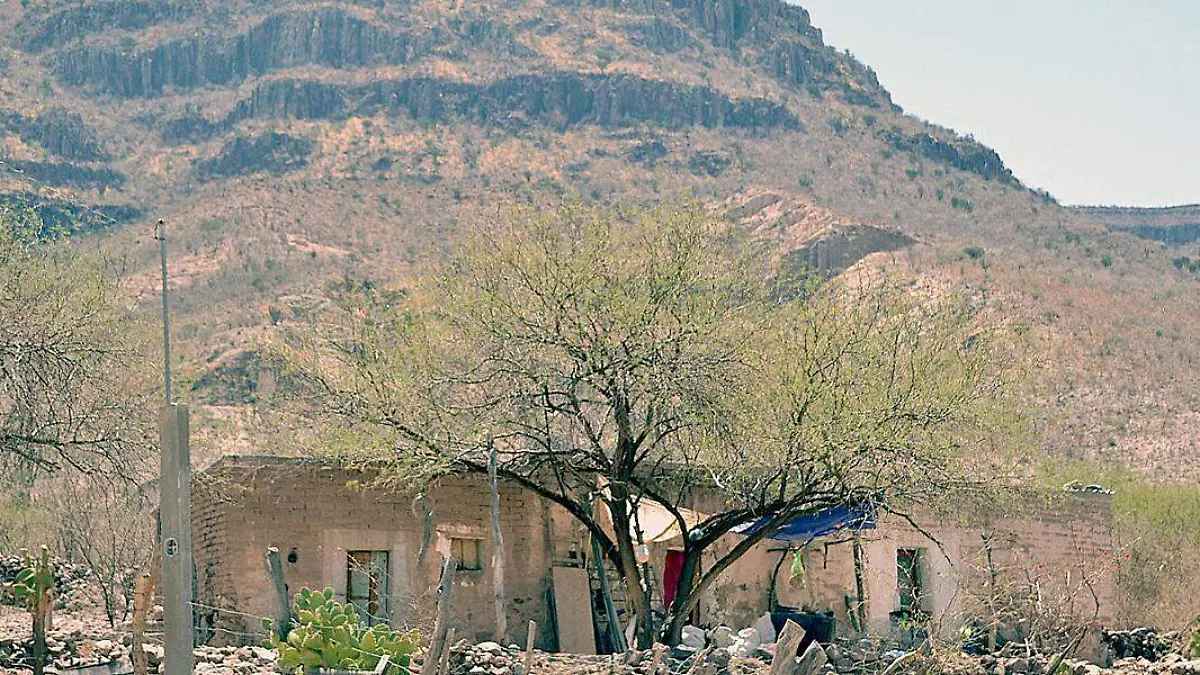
(497, 548)
(444, 662)
(441, 625)
(529, 638)
(281, 610)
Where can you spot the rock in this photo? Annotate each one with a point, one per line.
(154, 654)
(683, 652)
(722, 637)
(692, 637)
(489, 647)
(478, 670)
(765, 628)
(719, 658)
(263, 654)
(746, 643)
(1017, 665)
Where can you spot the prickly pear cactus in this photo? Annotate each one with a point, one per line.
(33, 587)
(326, 634)
(35, 581)
(1193, 648)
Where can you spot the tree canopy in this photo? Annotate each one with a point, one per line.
(629, 356)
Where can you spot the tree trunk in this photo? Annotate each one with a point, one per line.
(635, 592)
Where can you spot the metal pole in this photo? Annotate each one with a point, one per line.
(175, 482)
(160, 233)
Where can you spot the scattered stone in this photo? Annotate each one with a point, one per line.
(692, 637)
(722, 637)
(765, 628)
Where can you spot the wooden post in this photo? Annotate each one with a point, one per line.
(137, 653)
(143, 598)
(529, 638)
(41, 607)
(281, 609)
(497, 548)
(444, 662)
(441, 624)
(860, 609)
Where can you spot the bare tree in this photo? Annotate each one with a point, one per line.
(69, 376)
(628, 357)
(108, 526)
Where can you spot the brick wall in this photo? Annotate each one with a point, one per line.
(1058, 543)
(319, 512)
(316, 513)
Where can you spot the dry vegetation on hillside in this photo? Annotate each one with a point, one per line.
(298, 144)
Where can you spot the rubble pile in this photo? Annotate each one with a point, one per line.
(62, 652)
(1141, 643)
(722, 651)
(490, 658)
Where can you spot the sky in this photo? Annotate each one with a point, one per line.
(1097, 101)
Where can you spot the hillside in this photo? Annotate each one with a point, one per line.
(290, 144)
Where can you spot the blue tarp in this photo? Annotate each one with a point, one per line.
(820, 524)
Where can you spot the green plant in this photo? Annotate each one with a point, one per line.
(33, 587)
(326, 634)
(974, 252)
(1193, 647)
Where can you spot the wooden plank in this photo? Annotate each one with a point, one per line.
(785, 649)
(572, 609)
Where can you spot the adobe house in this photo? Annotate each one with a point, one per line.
(381, 551)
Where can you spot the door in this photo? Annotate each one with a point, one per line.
(367, 585)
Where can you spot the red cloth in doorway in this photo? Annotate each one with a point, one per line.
(671, 573)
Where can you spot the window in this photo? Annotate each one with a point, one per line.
(468, 553)
(367, 585)
(908, 578)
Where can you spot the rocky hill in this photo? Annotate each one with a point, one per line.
(291, 143)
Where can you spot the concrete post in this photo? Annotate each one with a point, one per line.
(176, 541)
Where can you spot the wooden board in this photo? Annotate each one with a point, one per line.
(573, 611)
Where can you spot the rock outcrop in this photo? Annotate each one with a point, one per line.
(60, 132)
(329, 37)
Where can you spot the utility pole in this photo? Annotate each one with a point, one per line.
(174, 507)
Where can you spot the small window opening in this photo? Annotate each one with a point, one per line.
(367, 585)
(293, 557)
(909, 582)
(467, 553)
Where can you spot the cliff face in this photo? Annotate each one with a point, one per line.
(327, 37)
(1174, 226)
(61, 133)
